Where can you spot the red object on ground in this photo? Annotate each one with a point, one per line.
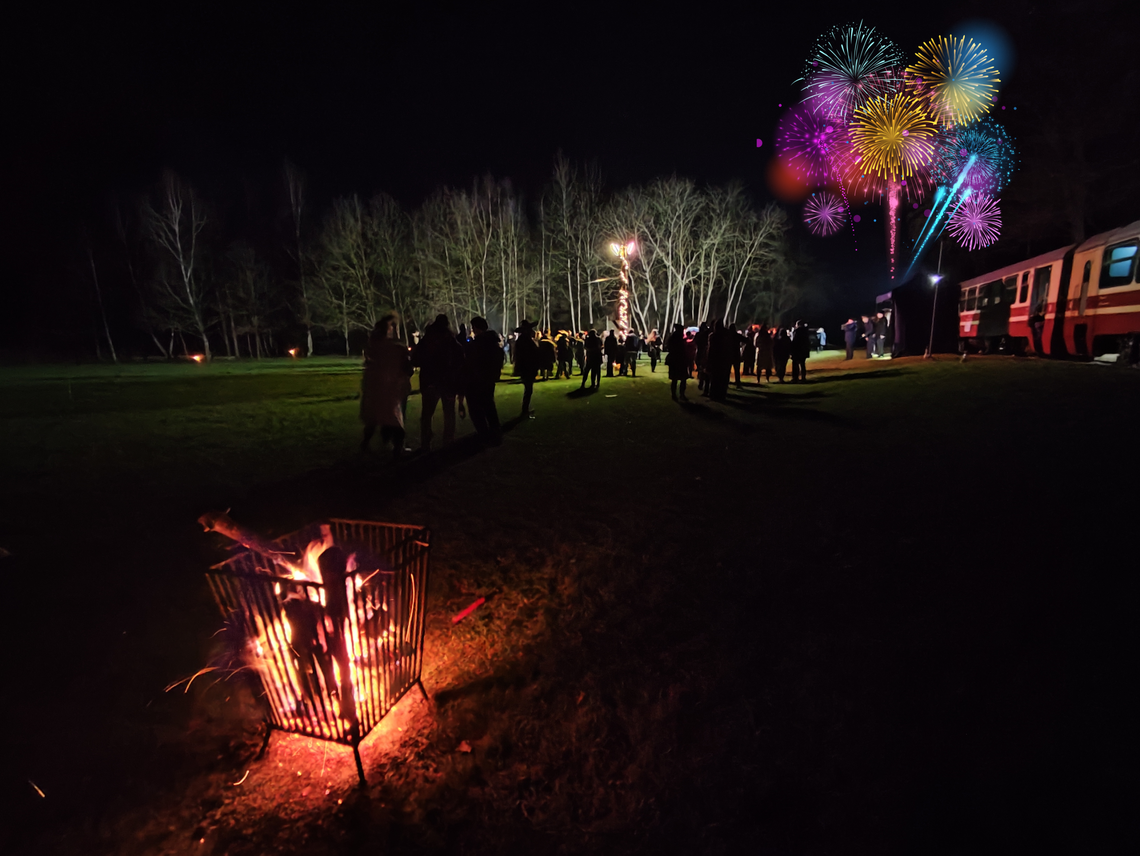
(468, 610)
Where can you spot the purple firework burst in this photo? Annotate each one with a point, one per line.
(849, 65)
(823, 213)
(804, 140)
(977, 222)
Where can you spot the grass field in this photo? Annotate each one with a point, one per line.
(888, 610)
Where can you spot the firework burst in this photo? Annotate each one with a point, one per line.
(824, 214)
(993, 153)
(804, 140)
(977, 222)
(956, 77)
(894, 136)
(849, 65)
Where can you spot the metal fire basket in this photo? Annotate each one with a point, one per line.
(294, 648)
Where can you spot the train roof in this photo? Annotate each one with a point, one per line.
(1010, 270)
(1121, 234)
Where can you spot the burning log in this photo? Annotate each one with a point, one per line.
(222, 523)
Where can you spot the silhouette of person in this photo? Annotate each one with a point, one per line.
(764, 359)
(850, 334)
(483, 364)
(610, 349)
(781, 350)
(677, 361)
(439, 357)
(385, 386)
(801, 348)
(593, 370)
(526, 362)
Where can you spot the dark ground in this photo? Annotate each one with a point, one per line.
(886, 611)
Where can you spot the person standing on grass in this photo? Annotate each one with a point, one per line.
(580, 353)
(702, 342)
(880, 333)
(547, 355)
(653, 345)
(735, 354)
(821, 339)
(677, 361)
(609, 349)
(801, 349)
(592, 372)
(562, 346)
(869, 335)
(749, 352)
(764, 359)
(385, 386)
(781, 350)
(850, 334)
(483, 364)
(718, 361)
(632, 347)
(439, 357)
(526, 363)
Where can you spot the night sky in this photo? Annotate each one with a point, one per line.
(100, 101)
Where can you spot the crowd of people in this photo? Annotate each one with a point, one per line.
(459, 369)
(872, 328)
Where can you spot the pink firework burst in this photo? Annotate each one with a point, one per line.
(823, 213)
(804, 140)
(977, 222)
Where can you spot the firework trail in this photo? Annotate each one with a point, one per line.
(977, 222)
(824, 213)
(956, 78)
(849, 65)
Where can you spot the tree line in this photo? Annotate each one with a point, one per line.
(699, 253)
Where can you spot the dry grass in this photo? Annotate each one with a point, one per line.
(808, 620)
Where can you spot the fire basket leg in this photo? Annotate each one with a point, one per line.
(359, 766)
(265, 742)
(423, 692)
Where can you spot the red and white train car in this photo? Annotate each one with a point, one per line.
(1081, 300)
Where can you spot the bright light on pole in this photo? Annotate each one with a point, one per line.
(623, 252)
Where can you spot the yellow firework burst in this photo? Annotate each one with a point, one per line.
(894, 136)
(955, 76)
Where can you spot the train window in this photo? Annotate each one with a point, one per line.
(1024, 295)
(1119, 264)
(1085, 289)
(1041, 289)
(994, 292)
(962, 300)
(972, 299)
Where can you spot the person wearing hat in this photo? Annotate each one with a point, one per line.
(526, 362)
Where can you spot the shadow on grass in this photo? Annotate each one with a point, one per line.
(784, 406)
(582, 392)
(871, 375)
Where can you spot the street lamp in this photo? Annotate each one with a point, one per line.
(934, 280)
(623, 252)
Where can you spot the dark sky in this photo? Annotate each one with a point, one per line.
(98, 101)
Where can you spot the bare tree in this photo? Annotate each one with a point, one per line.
(347, 269)
(174, 220)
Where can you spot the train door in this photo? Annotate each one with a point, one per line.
(994, 322)
(1038, 304)
(1081, 328)
(1057, 346)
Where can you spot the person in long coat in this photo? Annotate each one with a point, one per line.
(593, 367)
(678, 361)
(385, 386)
(722, 353)
(781, 350)
(801, 349)
(526, 363)
(765, 361)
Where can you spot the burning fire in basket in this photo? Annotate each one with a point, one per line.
(333, 629)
